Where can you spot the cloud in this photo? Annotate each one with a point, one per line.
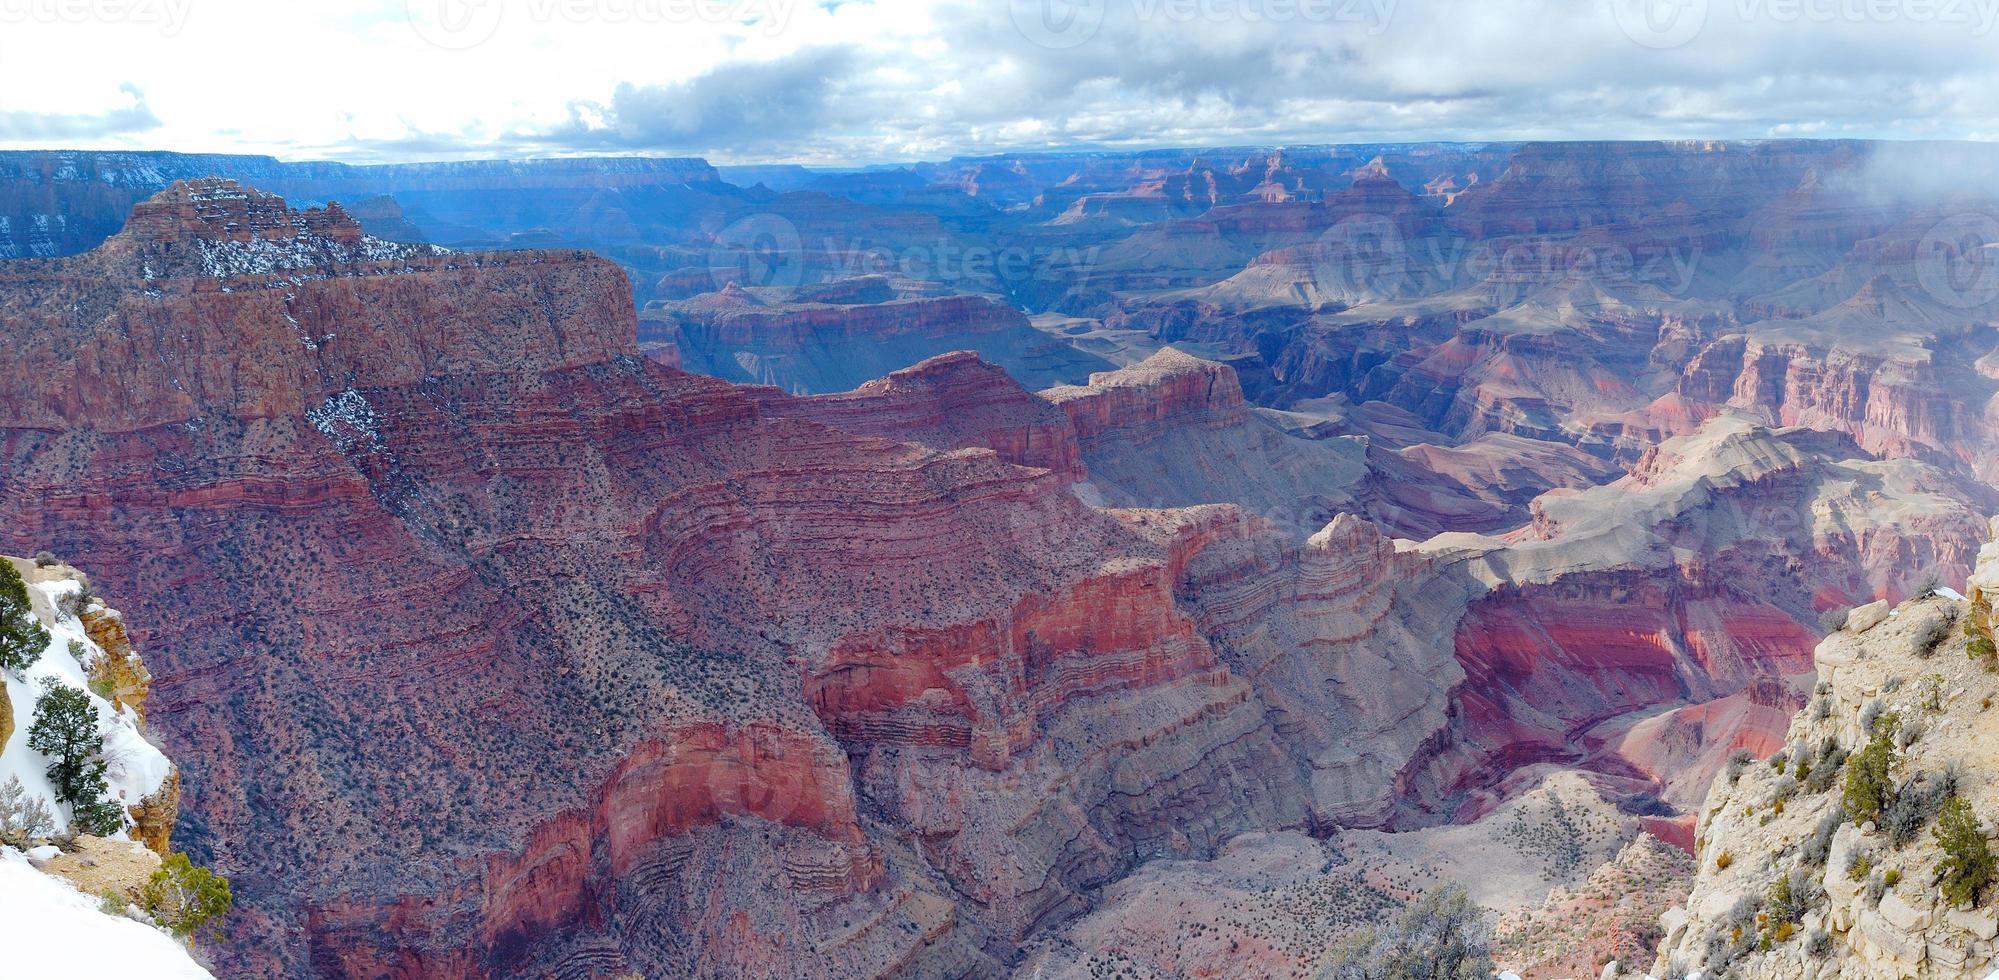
(18, 125)
(890, 80)
(764, 106)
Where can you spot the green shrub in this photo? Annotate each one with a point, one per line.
(1868, 775)
(22, 638)
(1978, 643)
(1981, 649)
(98, 817)
(1781, 911)
(1967, 864)
(186, 898)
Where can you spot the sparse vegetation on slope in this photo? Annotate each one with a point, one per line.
(1876, 863)
(1441, 936)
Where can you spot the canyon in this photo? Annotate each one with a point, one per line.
(585, 567)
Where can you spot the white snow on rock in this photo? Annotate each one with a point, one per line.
(61, 932)
(347, 419)
(263, 256)
(134, 767)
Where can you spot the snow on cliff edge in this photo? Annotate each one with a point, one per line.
(64, 933)
(135, 768)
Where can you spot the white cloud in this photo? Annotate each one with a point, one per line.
(851, 80)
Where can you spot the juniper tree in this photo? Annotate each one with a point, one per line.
(65, 730)
(1868, 787)
(1967, 865)
(22, 639)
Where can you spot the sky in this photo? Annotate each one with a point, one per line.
(838, 82)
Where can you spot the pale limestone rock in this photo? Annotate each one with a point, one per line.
(1985, 577)
(1890, 941)
(1841, 917)
(1946, 955)
(1983, 923)
(1901, 914)
(1837, 885)
(1717, 903)
(1672, 922)
(1864, 618)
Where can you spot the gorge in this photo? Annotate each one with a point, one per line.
(540, 577)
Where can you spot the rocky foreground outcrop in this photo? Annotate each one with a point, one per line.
(78, 901)
(1829, 859)
(86, 648)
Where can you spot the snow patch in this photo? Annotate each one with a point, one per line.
(134, 767)
(263, 256)
(347, 419)
(65, 933)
